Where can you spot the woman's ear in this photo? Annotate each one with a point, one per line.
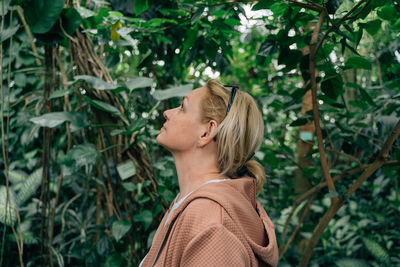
(210, 131)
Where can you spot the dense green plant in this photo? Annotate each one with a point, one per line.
(83, 91)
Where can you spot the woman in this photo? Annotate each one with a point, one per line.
(215, 220)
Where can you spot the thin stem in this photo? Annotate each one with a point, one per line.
(321, 149)
(298, 226)
(310, 5)
(345, 155)
(2, 129)
(29, 33)
(337, 24)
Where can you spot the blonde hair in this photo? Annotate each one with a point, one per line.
(240, 132)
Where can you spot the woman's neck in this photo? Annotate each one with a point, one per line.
(195, 170)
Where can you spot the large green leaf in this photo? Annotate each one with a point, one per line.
(364, 94)
(120, 228)
(96, 83)
(388, 12)
(173, 92)
(103, 106)
(126, 169)
(372, 27)
(140, 6)
(138, 82)
(190, 38)
(146, 217)
(84, 154)
(85, 13)
(268, 48)
(4, 9)
(53, 119)
(358, 63)
(332, 85)
(71, 20)
(60, 93)
(41, 15)
(7, 33)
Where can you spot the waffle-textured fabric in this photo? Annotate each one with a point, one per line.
(220, 224)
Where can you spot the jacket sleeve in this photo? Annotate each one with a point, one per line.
(215, 246)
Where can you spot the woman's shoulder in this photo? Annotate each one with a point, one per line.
(203, 212)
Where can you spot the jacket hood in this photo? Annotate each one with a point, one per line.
(238, 198)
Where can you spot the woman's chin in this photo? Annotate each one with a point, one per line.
(159, 139)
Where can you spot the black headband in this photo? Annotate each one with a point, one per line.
(232, 96)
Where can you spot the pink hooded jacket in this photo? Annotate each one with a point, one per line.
(219, 224)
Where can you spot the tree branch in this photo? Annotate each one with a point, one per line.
(380, 160)
(321, 185)
(345, 155)
(336, 205)
(312, 6)
(324, 162)
(337, 24)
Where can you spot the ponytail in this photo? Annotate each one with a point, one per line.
(240, 131)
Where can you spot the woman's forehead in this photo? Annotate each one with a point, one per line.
(197, 93)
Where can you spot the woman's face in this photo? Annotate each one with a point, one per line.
(183, 126)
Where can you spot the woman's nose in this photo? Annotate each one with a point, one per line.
(169, 112)
(166, 114)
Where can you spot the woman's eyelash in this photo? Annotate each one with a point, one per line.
(181, 106)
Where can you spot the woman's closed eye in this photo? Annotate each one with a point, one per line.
(181, 106)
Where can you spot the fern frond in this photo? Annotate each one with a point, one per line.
(16, 177)
(376, 249)
(351, 262)
(29, 186)
(7, 212)
(27, 237)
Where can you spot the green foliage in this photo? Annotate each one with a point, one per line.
(83, 155)
(7, 208)
(6, 34)
(23, 188)
(95, 82)
(120, 228)
(42, 15)
(376, 250)
(78, 120)
(29, 186)
(126, 170)
(103, 106)
(156, 52)
(349, 262)
(172, 92)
